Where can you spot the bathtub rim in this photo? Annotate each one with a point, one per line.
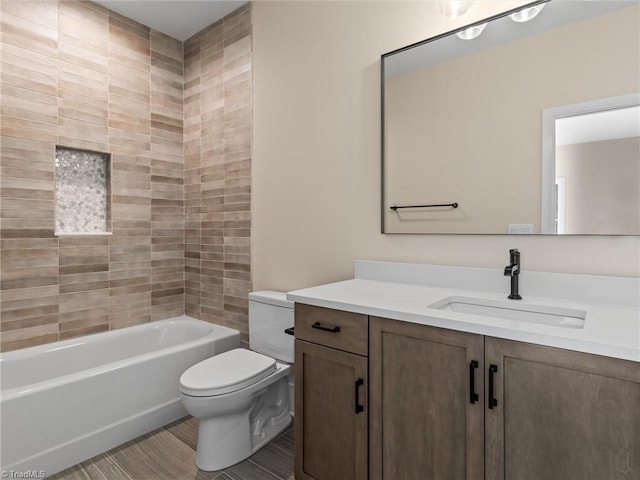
(215, 331)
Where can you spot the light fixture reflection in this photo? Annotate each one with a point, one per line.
(454, 8)
(471, 32)
(527, 14)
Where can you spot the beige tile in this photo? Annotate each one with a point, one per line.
(83, 279)
(34, 307)
(29, 258)
(33, 113)
(42, 46)
(47, 11)
(30, 335)
(166, 45)
(19, 127)
(166, 64)
(28, 99)
(74, 87)
(27, 294)
(28, 323)
(42, 215)
(32, 338)
(85, 42)
(83, 144)
(22, 76)
(73, 55)
(27, 243)
(129, 319)
(81, 300)
(86, 16)
(81, 332)
(83, 259)
(72, 72)
(19, 24)
(127, 46)
(21, 57)
(161, 312)
(83, 130)
(95, 98)
(99, 311)
(145, 102)
(82, 112)
(93, 320)
(128, 25)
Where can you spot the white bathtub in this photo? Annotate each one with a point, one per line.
(65, 402)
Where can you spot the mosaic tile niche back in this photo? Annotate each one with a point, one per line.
(82, 191)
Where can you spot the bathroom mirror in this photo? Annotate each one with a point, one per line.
(531, 127)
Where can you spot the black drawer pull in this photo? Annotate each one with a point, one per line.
(359, 383)
(289, 331)
(473, 396)
(326, 329)
(493, 402)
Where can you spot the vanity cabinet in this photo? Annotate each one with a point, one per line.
(331, 384)
(560, 414)
(426, 402)
(449, 404)
(542, 413)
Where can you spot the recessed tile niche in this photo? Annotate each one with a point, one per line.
(82, 191)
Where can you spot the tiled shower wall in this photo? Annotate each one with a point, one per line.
(78, 75)
(217, 142)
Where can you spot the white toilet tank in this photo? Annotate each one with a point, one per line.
(270, 314)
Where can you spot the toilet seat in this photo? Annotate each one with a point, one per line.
(226, 373)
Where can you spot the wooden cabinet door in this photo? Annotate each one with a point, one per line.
(561, 415)
(422, 422)
(330, 413)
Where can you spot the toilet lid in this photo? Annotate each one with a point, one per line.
(226, 372)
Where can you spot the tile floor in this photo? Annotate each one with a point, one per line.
(169, 453)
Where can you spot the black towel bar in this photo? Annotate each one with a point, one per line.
(453, 205)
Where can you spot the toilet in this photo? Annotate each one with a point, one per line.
(244, 398)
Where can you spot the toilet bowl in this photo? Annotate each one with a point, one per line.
(242, 398)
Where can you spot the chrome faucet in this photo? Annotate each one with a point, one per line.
(513, 270)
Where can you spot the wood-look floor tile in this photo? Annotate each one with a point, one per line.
(285, 440)
(158, 455)
(276, 460)
(101, 467)
(248, 470)
(185, 429)
(169, 454)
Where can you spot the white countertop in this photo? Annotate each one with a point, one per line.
(609, 330)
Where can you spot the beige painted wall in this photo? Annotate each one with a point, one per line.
(469, 130)
(602, 185)
(316, 160)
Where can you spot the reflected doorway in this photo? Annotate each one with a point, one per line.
(591, 168)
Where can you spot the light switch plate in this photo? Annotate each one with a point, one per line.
(520, 228)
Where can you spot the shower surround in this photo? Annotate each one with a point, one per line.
(77, 75)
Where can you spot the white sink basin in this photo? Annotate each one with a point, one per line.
(514, 310)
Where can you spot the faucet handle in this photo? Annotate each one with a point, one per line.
(511, 270)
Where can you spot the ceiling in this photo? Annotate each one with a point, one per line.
(179, 19)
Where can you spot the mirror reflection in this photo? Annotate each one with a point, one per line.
(528, 127)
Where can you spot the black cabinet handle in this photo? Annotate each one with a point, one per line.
(473, 396)
(359, 383)
(493, 402)
(289, 331)
(326, 329)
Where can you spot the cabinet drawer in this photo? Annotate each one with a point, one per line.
(333, 328)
